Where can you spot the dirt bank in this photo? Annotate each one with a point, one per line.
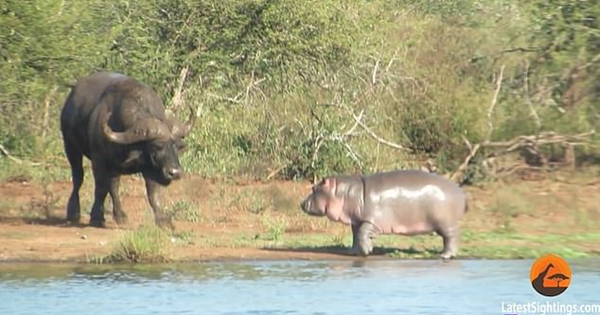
(225, 220)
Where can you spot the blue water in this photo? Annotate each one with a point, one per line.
(285, 287)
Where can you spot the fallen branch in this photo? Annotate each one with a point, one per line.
(14, 159)
(460, 171)
(534, 141)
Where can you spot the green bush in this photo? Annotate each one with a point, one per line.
(279, 81)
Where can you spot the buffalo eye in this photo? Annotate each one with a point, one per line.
(157, 147)
(180, 145)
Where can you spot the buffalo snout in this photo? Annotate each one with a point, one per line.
(173, 173)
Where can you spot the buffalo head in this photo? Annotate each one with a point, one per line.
(160, 142)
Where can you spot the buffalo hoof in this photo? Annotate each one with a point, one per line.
(74, 219)
(121, 219)
(165, 223)
(98, 223)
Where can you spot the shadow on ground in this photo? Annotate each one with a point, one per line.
(344, 251)
(46, 221)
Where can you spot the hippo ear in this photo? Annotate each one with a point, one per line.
(328, 183)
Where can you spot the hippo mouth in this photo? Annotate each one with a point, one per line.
(306, 206)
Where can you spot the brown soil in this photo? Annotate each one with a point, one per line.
(32, 229)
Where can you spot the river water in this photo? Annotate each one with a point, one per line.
(289, 287)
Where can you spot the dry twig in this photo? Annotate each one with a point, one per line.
(177, 99)
(12, 158)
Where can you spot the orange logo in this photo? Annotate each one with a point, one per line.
(550, 275)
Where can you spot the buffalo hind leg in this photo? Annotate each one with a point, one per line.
(152, 190)
(75, 158)
(102, 183)
(118, 214)
(450, 236)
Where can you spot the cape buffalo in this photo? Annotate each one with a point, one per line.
(120, 125)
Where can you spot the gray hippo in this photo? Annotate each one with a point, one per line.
(405, 202)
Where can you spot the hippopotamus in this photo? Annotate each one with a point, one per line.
(401, 202)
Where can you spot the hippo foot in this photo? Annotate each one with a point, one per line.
(361, 249)
(165, 223)
(121, 218)
(354, 251)
(447, 255)
(99, 223)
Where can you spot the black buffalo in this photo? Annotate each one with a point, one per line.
(120, 125)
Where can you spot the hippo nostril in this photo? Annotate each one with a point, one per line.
(304, 205)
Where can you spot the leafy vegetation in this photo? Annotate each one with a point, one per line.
(145, 244)
(277, 82)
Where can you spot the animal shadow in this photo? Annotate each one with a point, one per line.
(341, 250)
(44, 221)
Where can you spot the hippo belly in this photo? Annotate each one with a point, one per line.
(407, 219)
(407, 210)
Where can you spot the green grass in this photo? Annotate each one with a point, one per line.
(146, 244)
(480, 245)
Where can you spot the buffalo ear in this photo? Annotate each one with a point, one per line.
(133, 158)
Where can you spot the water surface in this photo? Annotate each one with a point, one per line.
(285, 287)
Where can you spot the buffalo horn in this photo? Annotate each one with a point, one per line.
(145, 130)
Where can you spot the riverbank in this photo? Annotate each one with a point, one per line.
(227, 220)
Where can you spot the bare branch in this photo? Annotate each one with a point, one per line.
(460, 171)
(493, 103)
(177, 99)
(387, 69)
(375, 69)
(458, 174)
(498, 54)
(235, 99)
(378, 138)
(532, 110)
(46, 117)
(12, 158)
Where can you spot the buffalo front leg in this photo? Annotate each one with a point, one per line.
(152, 191)
(118, 214)
(75, 158)
(366, 232)
(102, 183)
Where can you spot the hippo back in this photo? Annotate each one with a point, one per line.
(412, 197)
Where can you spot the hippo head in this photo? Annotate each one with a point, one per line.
(157, 143)
(323, 200)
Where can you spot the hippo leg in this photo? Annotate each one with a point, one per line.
(366, 232)
(355, 241)
(450, 237)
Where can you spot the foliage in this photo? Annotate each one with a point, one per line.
(147, 243)
(275, 80)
